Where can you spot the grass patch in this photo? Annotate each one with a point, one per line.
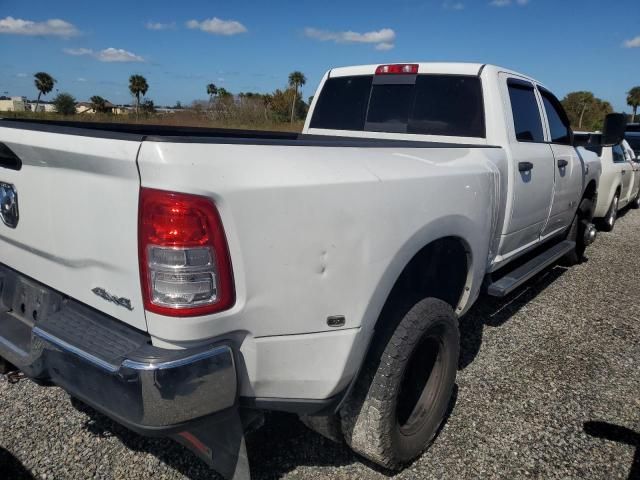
(185, 118)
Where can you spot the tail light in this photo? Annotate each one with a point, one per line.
(185, 268)
(398, 69)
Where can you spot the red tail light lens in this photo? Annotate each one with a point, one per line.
(185, 268)
(398, 69)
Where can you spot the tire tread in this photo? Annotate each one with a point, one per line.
(368, 414)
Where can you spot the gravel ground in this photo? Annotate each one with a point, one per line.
(549, 387)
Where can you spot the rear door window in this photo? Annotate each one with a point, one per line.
(526, 114)
(432, 104)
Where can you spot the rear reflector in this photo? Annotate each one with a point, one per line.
(184, 259)
(398, 69)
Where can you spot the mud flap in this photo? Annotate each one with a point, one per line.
(219, 442)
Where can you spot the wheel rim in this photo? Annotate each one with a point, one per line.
(422, 383)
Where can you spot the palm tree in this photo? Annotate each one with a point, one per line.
(138, 85)
(44, 83)
(296, 80)
(633, 100)
(211, 91)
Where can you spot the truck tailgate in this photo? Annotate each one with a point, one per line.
(78, 212)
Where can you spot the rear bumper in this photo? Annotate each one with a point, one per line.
(109, 365)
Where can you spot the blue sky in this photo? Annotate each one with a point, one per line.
(92, 47)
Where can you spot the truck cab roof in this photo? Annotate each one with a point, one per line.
(423, 67)
(453, 68)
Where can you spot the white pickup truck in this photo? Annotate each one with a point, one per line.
(179, 280)
(619, 185)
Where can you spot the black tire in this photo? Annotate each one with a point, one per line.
(635, 203)
(609, 220)
(401, 398)
(577, 231)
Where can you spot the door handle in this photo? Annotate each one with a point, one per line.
(525, 166)
(562, 163)
(623, 172)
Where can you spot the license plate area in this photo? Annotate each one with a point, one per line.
(25, 298)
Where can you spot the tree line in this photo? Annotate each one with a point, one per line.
(585, 110)
(280, 105)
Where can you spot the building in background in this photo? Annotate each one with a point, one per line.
(87, 108)
(12, 104)
(46, 107)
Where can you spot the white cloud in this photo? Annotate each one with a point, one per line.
(107, 55)
(21, 75)
(451, 5)
(383, 38)
(507, 3)
(81, 79)
(118, 55)
(217, 26)
(384, 35)
(160, 26)
(51, 27)
(384, 46)
(632, 43)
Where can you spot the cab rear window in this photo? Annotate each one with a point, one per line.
(343, 103)
(431, 104)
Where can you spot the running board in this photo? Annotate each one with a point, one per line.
(512, 280)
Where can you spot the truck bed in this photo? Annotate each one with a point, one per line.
(169, 133)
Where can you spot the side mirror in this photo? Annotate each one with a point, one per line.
(615, 125)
